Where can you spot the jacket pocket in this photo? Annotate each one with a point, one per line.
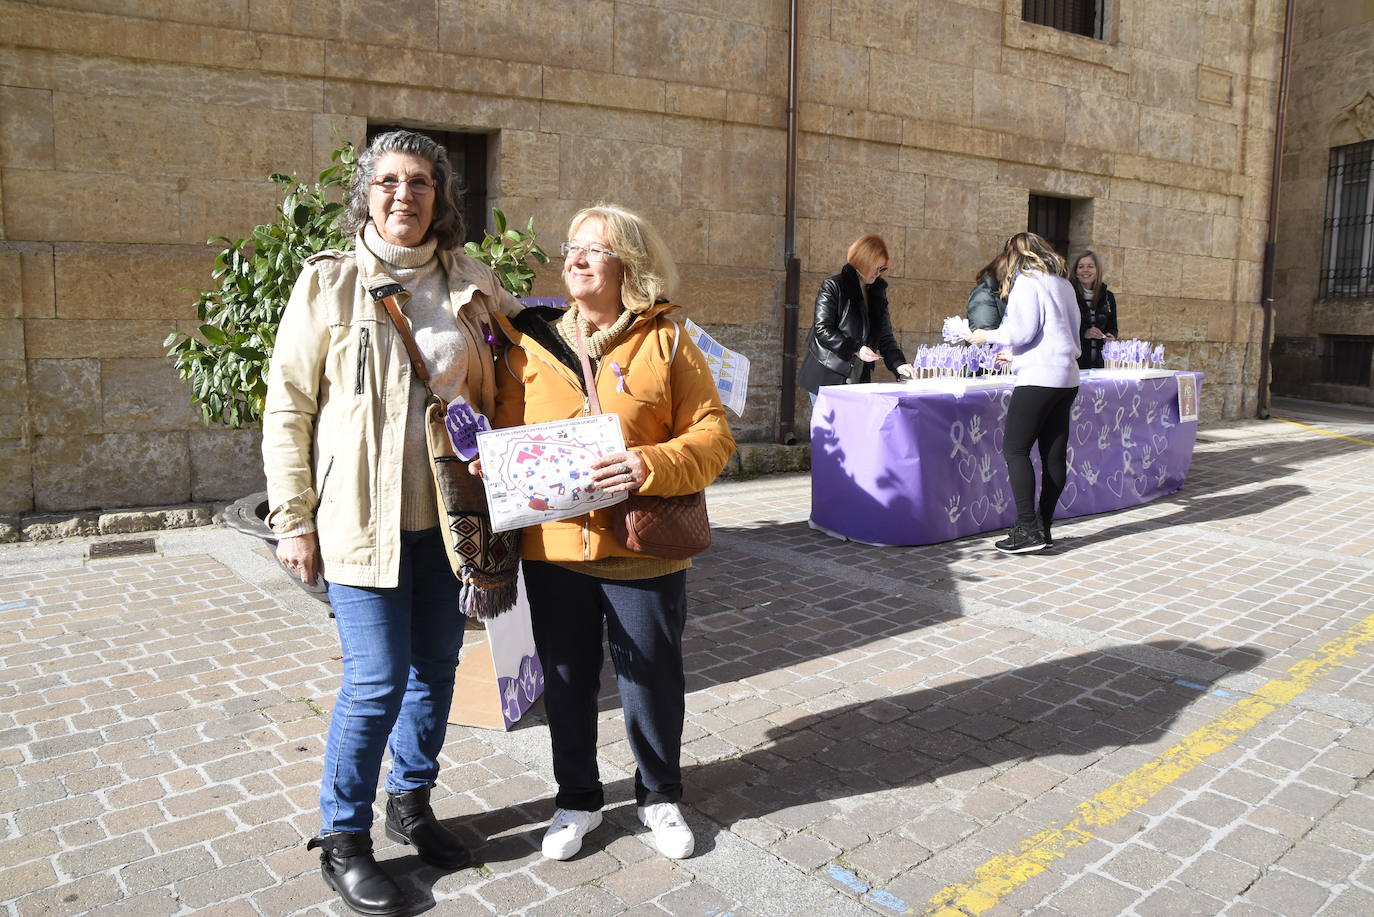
(324, 479)
(364, 344)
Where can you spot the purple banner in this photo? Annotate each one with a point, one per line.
(894, 465)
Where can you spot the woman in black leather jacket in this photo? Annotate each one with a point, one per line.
(1096, 310)
(852, 330)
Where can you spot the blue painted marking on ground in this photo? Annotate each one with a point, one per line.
(889, 901)
(1190, 684)
(845, 877)
(1220, 693)
(11, 605)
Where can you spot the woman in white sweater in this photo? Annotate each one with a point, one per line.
(1041, 328)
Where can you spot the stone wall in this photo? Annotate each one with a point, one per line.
(127, 138)
(1331, 103)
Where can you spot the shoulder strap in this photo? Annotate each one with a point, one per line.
(592, 398)
(386, 295)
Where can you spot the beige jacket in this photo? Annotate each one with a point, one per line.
(333, 427)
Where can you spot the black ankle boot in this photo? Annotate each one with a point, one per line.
(348, 867)
(410, 820)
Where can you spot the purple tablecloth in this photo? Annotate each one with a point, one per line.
(893, 465)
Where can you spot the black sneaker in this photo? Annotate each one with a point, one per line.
(1024, 538)
(1049, 539)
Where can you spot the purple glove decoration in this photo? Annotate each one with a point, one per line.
(486, 333)
(463, 424)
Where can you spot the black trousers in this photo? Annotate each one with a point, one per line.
(643, 620)
(1037, 415)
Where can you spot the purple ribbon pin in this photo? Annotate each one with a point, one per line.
(619, 376)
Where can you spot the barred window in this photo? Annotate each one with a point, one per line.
(1348, 360)
(1049, 218)
(1348, 247)
(1082, 17)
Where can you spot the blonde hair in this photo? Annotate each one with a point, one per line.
(1073, 272)
(648, 270)
(867, 251)
(1026, 252)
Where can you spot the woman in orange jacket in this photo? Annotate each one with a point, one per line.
(577, 573)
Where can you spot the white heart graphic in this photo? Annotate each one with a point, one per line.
(1083, 431)
(979, 510)
(1115, 482)
(1161, 442)
(967, 468)
(1069, 495)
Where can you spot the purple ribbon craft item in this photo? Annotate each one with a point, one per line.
(463, 425)
(619, 377)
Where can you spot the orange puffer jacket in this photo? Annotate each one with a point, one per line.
(670, 414)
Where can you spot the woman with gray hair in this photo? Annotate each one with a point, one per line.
(352, 498)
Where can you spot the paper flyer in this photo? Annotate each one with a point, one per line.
(542, 472)
(730, 369)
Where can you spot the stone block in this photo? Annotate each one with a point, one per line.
(26, 128)
(12, 339)
(141, 37)
(27, 268)
(746, 240)
(948, 30)
(111, 470)
(528, 163)
(920, 88)
(695, 101)
(383, 65)
(950, 204)
(64, 397)
(834, 73)
(111, 134)
(141, 396)
(733, 296)
(16, 475)
(89, 207)
(754, 108)
(96, 338)
(176, 83)
(130, 281)
(521, 30)
(393, 104)
(683, 48)
(1206, 278)
(225, 464)
(14, 390)
(1037, 109)
(605, 90)
(52, 526)
(330, 133)
(155, 519)
(224, 208)
(634, 174)
(943, 254)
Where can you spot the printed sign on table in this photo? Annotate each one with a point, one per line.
(1187, 399)
(543, 472)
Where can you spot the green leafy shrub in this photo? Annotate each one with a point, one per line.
(226, 362)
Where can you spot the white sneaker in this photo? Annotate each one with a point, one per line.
(564, 837)
(671, 834)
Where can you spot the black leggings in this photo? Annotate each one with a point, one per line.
(1037, 414)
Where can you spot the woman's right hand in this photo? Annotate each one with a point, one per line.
(1094, 333)
(300, 554)
(868, 354)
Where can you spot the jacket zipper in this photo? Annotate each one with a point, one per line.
(364, 339)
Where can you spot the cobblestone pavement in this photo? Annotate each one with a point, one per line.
(1169, 714)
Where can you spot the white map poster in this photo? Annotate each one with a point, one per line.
(543, 472)
(730, 369)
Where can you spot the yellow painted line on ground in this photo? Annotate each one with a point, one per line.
(999, 876)
(1294, 423)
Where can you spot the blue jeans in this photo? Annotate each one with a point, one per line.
(644, 619)
(400, 648)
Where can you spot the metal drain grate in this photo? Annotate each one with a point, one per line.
(123, 548)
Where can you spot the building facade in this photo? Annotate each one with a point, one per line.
(130, 133)
(1324, 285)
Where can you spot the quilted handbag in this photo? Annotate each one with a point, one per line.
(674, 527)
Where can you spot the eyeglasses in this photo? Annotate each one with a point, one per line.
(592, 252)
(391, 184)
(883, 268)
